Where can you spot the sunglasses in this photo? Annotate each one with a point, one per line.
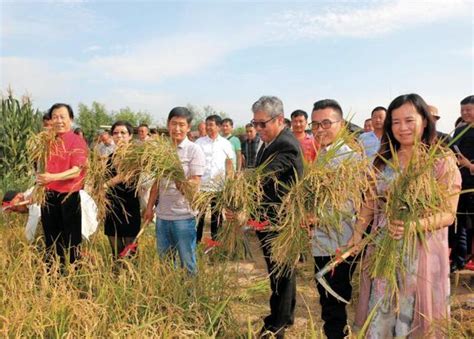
(262, 124)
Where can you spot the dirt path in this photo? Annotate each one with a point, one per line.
(255, 292)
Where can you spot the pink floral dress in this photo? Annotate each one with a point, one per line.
(424, 288)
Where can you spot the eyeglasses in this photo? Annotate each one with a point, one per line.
(262, 124)
(325, 124)
(120, 132)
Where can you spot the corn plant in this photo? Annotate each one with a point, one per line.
(18, 119)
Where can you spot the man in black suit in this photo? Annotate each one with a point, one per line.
(461, 237)
(282, 153)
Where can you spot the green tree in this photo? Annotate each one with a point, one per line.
(200, 114)
(135, 118)
(90, 119)
(18, 119)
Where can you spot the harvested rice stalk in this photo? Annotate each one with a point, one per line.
(414, 194)
(329, 192)
(98, 173)
(39, 147)
(242, 194)
(154, 159)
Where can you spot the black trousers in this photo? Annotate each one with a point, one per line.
(283, 298)
(460, 238)
(216, 222)
(333, 312)
(61, 219)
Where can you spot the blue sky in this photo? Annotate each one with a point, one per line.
(152, 56)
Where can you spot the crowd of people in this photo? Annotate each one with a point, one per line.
(390, 133)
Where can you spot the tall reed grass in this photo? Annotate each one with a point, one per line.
(144, 297)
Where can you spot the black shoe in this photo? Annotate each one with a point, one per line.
(455, 267)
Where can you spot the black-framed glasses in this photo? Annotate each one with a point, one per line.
(120, 132)
(325, 124)
(262, 124)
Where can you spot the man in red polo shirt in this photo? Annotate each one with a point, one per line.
(299, 121)
(63, 179)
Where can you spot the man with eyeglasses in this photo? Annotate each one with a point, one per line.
(327, 123)
(282, 154)
(370, 141)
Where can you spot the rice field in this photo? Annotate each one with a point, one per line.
(146, 297)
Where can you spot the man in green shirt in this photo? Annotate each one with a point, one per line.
(227, 128)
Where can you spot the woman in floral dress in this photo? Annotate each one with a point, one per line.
(423, 287)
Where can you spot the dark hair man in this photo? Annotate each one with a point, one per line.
(326, 123)
(299, 121)
(143, 132)
(250, 146)
(370, 141)
(461, 240)
(219, 154)
(227, 129)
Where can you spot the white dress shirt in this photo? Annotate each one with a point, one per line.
(216, 152)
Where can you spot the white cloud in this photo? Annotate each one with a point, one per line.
(157, 59)
(92, 49)
(145, 100)
(33, 76)
(50, 21)
(374, 20)
(467, 52)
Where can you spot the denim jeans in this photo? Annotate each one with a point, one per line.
(180, 236)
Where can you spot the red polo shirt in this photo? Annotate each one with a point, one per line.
(309, 148)
(70, 150)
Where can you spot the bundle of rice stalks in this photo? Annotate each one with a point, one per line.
(152, 160)
(414, 194)
(98, 173)
(330, 191)
(241, 194)
(40, 146)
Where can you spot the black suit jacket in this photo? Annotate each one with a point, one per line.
(285, 161)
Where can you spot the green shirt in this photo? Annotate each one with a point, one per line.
(236, 146)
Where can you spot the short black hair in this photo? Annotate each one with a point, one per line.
(78, 130)
(181, 112)
(378, 108)
(287, 122)
(127, 125)
(229, 120)
(46, 117)
(217, 119)
(468, 100)
(249, 125)
(144, 125)
(59, 105)
(10, 195)
(328, 103)
(299, 113)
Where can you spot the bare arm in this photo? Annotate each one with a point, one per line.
(239, 160)
(148, 216)
(45, 178)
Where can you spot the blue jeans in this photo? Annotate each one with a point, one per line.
(178, 235)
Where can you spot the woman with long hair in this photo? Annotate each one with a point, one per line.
(410, 304)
